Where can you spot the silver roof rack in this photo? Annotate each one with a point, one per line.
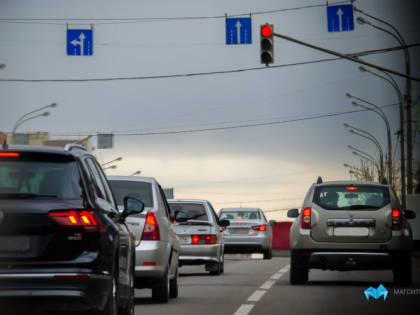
(72, 146)
(319, 180)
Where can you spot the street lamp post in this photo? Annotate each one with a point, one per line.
(381, 113)
(400, 39)
(364, 134)
(394, 84)
(114, 160)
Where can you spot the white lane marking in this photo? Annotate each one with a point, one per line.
(276, 276)
(256, 296)
(267, 285)
(244, 309)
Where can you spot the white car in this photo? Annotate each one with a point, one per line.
(157, 246)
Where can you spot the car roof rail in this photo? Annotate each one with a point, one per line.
(319, 180)
(71, 146)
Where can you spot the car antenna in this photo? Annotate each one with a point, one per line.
(319, 180)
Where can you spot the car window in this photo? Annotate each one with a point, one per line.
(136, 189)
(97, 184)
(341, 197)
(164, 202)
(104, 182)
(41, 175)
(240, 215)
(193, 211)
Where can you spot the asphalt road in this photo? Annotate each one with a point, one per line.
(255, 286)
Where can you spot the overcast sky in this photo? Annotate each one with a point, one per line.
(268, 166)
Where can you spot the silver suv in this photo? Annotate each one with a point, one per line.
(200, 233)
(349, 225)
(157, 246)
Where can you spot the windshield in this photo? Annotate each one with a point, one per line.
(240, 215)
(136, 189)
(193, 211)
(351, 197)
(39, 177)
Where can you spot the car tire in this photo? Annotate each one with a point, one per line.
(128, 309)
(215, 269)
(222, 264)
(268, 254)
(160, 293)
(299, 272)
(402, 269)
(173, 286)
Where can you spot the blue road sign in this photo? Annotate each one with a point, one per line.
(79, 42)
(238, 31)
(340, 18)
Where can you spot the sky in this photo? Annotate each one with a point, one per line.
(269, 166)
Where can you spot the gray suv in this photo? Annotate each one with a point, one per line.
(349, 225)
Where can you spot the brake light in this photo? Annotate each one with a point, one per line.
(9, 154)
(260, 228)
(75, 218)
(151, 228)
(352, 188)
(305, 222)
(204, 239)
(396, 219)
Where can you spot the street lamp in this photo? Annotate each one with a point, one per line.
(114, 160)
(364, 134)
(394, 84)
(136, 173)
(24, 118)
(109, 167)
(381, 113)
(400, 39)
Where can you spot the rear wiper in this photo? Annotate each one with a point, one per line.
(195, 222)
(24, 196)
(357, 207)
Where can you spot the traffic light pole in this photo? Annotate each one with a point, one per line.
(332, 52)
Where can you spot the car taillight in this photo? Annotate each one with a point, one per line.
(75, 218)
(203, 239)
(151, 228)
(396, 219)
(9, 154)
(260, 228)
(305, 222)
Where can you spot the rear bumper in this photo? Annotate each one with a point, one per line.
(54, 291)
(151, 259)
(247, 244)
(199, 254)
(343, 260)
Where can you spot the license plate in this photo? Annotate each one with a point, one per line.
(239, 231)
(184, 240)
(15, 244)
(351, 231)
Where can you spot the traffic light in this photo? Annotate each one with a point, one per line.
(267, 45)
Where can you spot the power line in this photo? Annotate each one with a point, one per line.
(232, 127)
(195, 74)
(125, 20)
(260, 200)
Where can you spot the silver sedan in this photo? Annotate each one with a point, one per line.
(249, 231)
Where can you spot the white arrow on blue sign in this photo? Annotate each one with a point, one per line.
(79, 42)
(340, 18)
(238, 31)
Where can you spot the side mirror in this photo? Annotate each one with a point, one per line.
(409, 214)
(272, 222)
(292, 213)
(224, 223)
(132, 206)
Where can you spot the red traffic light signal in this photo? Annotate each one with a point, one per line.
(266, 44)
(267, 30)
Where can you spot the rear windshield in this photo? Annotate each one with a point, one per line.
(351, 197)
(139, 190)
(240, 215)
(39, 176)
(193, 211)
